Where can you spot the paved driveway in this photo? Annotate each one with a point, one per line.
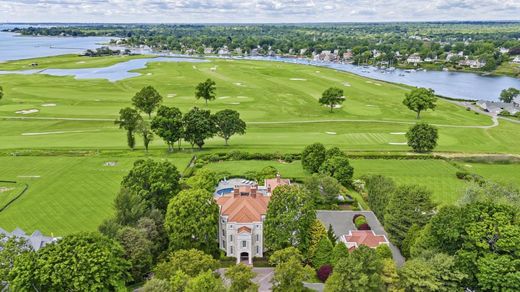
(342, 223)
(263, 278)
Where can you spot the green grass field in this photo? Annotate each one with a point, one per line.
(502, 173)
(66, 194)
(436, 175)
(278, 101)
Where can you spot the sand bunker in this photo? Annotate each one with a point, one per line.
(467, 165)
(318, 72)
(224, 97)
(213, 69)
(377, 84)
(298, 79)
(336, 106)
(26, 112)
(81, 62)
(171, 95)
(194, 67)
(400, 143)
(369, 82)
(398, 133)
(239, 84)
(48, 104)
(5, 189)
(29, 176)
(234, 103)
(110, 163)
(330, 133)
(370, 105)
(55, 133)
(242, 97)
(149, 74)
(346, 84)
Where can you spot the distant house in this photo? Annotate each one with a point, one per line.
(428, 60)
(224, 51)
(414, 59)
(208, 50)
(34, 241)
(475, 64)
(498, 107)
(243, 208)
(516, 60)
(348, 55)
(503, 50)
(356, 238)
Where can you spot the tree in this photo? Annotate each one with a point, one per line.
(507, 95)
(289, 276)
(206, 282)
(389, 275)
(323, 254)
(146, 133)
(436, 273)
(240, 276)
(283, 255)
(157, 285)
(168, 125)
(138, 251)
(422, 137)
(409, 205)
(339, 168)
(420, 99)
(129, 119)
(203, 179)
(228, 123)
(192, 221)
(379, 190)
(339, 252)
(129, 207)
(332, 97)
(79, 262)
(313, 157)
(323, 189)
(498, 273)
(179, 281)
(192, 262)
(383, 251)
(10, 249)
(290, 215)
(198, 126)
(206, 90)
(361, 271)
(147, 100)
(332, 235)
(1, 92)
(154, 182)
(317, 232)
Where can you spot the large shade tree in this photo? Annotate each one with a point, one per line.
(507, 95)
(155, 182)
(80, 262)
(198, 126)
(313, 157)
(228, 123)
(168, 125)
(192, 221)
(147, 100)
(206, 90)
(332, 97)
(290, 217)
(422, 137)
(420, 99)
(129, 120)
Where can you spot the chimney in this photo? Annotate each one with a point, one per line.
(253, 191)
(269, 188)
(236, 192)
(278, 178)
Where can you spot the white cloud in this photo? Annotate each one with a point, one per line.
(200, 11)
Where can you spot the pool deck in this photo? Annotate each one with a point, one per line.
(230, 184)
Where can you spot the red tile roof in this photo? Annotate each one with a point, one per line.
(365, 237)
(243, 209)
(275, 182)
(244, 229)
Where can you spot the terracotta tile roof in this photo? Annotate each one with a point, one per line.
(275, 182)
(243, 209)
(244, 229)
(365, 237)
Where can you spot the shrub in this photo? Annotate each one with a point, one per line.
(360, 220)
(324, 272)
(355, 217)
(364, 226)
(462, 174)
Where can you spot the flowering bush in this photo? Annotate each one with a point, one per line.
(324, 272)
(364, 226)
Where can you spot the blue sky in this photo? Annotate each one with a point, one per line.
(203, 11)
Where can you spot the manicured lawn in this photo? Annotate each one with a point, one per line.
(437, 175)
(66, 194)
(503, 173)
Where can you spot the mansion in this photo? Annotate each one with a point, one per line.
(243, 207)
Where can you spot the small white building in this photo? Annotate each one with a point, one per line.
(516, 60)
(414, 59)
(208, 50)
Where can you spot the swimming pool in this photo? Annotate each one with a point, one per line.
(222, 192)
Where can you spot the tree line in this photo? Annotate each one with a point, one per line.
(169, 123)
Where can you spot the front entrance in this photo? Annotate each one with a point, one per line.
(244, 258)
